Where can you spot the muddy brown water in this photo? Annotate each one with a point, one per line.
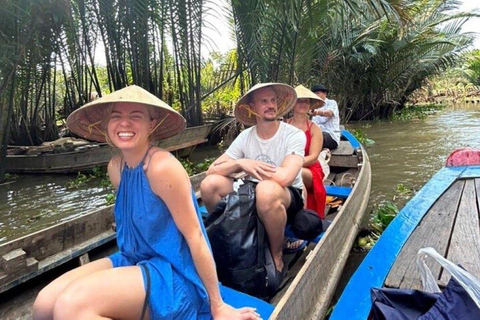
(406, 153)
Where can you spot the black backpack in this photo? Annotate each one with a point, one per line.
(240, 244)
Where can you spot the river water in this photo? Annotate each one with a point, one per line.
(407, 153)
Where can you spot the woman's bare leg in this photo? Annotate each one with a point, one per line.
(45, 301)
(307, 178)
(117, 293)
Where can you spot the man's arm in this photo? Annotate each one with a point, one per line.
(285, 174)
(323, 113)
(225, 166)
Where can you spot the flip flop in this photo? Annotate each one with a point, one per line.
(288, 248)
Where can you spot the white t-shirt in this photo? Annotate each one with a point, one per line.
(329, 124)
(287, 140)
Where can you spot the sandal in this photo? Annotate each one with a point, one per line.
(293, 245)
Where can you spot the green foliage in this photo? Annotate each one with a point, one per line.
(402, 189)
(362, 137)
(110, 199)
(9, 177)
(371, 54)
(193, 169)
(473, 66)
(416, 112)
(97, 173)
(381, 218)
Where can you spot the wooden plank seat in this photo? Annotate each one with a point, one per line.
(337, 191)
(344, 149)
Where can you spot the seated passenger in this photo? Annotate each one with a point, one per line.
(164, 268)
(271, 153)
(327, 117)
(312, 173)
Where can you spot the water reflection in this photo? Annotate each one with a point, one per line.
(411, 152)
(404, 152)
(34, 202)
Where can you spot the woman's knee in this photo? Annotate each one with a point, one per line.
(72, 302)
(44, 303)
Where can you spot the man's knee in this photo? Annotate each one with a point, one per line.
(269, 196)
(208, 185)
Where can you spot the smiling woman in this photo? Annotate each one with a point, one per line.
(129, 125)
(155, 205)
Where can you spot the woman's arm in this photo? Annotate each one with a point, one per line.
(113, 170)
(316, 145)
(170, 182)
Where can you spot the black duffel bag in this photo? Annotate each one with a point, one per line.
(240, 245)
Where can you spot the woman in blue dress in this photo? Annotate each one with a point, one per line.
(164, 268)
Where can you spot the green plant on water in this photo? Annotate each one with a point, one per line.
(193, 169)
(381, 218)
(188, 166)
(97, 173)
(402, 189)
(110, 198)
(203, 166)
(416, 112)
(79, 181)
(9, 177)
(384, 215)
(362, 137)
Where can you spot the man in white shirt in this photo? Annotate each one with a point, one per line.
(270, 152)
(327, 118)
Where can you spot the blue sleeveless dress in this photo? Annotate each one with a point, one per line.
(147, 236)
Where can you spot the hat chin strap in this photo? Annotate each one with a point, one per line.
(94, 126)
(250, 111)
(158, 124)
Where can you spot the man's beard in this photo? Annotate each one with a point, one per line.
(271, 119)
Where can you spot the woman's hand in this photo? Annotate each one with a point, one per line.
(227, 312)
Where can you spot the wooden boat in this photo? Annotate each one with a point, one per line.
(444, 215)
(315, 271)
(86, 157)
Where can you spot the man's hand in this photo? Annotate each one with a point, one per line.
(257, 169)
(226, 312)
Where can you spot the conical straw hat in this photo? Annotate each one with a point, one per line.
(286, 98)
(90, 121)
(304, 93)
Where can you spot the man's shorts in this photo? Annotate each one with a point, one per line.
(296, 202)
(328, 141)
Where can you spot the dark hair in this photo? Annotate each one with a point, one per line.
(319, 87)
